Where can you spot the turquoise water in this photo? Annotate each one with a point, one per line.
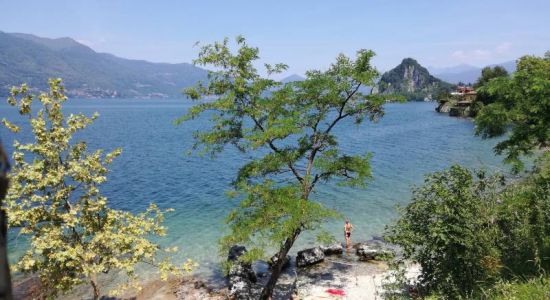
(410, 141)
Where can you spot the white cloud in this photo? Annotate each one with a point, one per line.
(481, 55)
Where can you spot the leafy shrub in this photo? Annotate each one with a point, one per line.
(448, 228)
(534, 289)
(468, 231)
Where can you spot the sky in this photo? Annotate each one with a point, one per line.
(303, 34)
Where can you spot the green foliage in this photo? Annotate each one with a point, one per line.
(289, 128)
(54, 199)
(395, 283)
(488, 73)
(534, 289)
(484, 98)
(447, 229)
(524, 222)
(522, 106)
(468, 232)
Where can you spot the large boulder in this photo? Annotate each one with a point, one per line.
(373, 251)
(274, 259)
(241, 276)
(240, 271)
(332, 249)
(309, 257)
(243, 290)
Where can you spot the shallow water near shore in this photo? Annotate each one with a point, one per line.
(408, 142)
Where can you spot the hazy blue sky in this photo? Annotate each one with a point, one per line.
(303, 34)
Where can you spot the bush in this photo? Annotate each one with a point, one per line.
(524, 223)
(448, 228)
(534, 289)
(468, 231)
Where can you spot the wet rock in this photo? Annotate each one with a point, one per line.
(309, 257)
(273, 260)
(235, 252)
(375, 250)
(332, 249)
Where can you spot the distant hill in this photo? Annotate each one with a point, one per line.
(411, 80)
(454, 69)
(86, 73)
(292, 78)
(467, 74)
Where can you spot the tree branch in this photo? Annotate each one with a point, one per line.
(316, 147)
(276, 149)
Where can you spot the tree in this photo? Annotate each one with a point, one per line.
(522, 105)
(482, 97)
(54, 199)
(5, 276)
(450, 229)
(289, 130)
(488, 73)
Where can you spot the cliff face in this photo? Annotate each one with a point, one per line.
(411, 80)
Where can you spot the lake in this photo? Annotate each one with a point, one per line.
(408, 142)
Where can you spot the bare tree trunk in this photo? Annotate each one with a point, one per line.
(95, 285)
(267, 292)
(5, 278)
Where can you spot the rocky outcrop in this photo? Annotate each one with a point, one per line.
(458, 111)
(241, 276)
(444, 107)
(411, 80)
(309, 257)
(332, 249)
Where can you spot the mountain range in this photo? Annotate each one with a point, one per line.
(466, 73)
(26, 58)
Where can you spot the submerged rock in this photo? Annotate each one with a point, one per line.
(332, 249)
(309, 257)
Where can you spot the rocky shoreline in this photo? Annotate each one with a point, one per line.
(322, 272)
(326, 271)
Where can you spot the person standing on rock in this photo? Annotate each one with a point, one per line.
(348, 227)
